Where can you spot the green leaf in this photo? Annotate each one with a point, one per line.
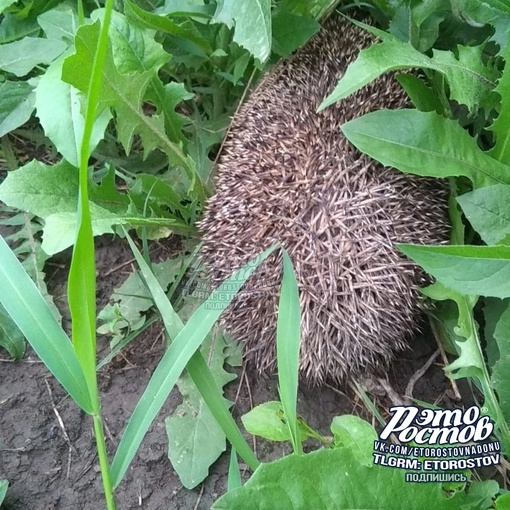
(27, 308)
(132, 298)
(166, 98)
(288, 334)
(502, 502)
(11, 338)
(267, 420)
(122, 92)
(418, 24)
(234, 475)
(28, 250)
(51, 192)
(501, 150)
(59, 23)
(291, 31)
(488, 211)
(184, 29)
(20, 57)
(195, 439)
(423, 97)
(334, 480)
(3, 5)
(352, 432)
(424, 143)
(59, 108)
(492, 310)
(4, 484)
(134, 50)
(470, 270)
(491, 12)
(180, 354)
(469, 79)
(251, 20)
(13, 28)
(501, 369)
(16, 105)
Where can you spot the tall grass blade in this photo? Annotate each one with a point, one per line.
(288, 330)
(81, 288)
(234, 475)
(180, 352)
(34, 318)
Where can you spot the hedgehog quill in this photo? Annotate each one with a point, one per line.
(288, 175)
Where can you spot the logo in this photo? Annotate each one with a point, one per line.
(435, 445)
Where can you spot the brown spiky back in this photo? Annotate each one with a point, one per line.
(288, 175)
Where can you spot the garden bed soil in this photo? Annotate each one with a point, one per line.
(47, 449)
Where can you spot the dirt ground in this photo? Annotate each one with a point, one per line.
(50, 460)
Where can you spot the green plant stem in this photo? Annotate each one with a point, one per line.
(103, 461)
(84, 338)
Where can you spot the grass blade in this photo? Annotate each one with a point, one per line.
(288, 330)
(31, 313)
(234, 475)
(175, 359)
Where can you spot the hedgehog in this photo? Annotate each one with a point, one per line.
(287, 175)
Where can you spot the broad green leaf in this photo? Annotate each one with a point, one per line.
(333, 479)
(183, 28)
(195, 439)
(251, 21)
(502, 502)
(267, 420)
(418, 24)
(20, 57)
(490, 12)
(122, 92)
(501, 369)
(424, 143)
(470, 80)
(352, 432)
(13, 28)
(16, 105)
(60, 228)
(134, 50)
(470, 270)
(4, 484)
(27, 308)
(51, 192)
(185, 8)
(288, 334)
(291, 31)
(488, 211)
(11, 338)
(59, 108)
(501, 150)
(3, 5)
(59, 23)
(180, 354)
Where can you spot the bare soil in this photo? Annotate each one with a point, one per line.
(47, 450)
